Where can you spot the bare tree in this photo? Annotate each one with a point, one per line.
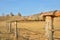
(19, 14)
(3, 14)
(11, 14)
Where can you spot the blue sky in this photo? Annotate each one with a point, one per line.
(28, 7)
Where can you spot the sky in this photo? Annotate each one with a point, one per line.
(28, 7)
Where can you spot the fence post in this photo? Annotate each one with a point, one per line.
(49, 27)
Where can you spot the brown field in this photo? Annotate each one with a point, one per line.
(27, 28)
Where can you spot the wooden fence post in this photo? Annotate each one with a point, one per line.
(49, 27)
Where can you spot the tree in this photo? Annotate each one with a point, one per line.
(11, 14)
(19, 14)
(3, 14)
